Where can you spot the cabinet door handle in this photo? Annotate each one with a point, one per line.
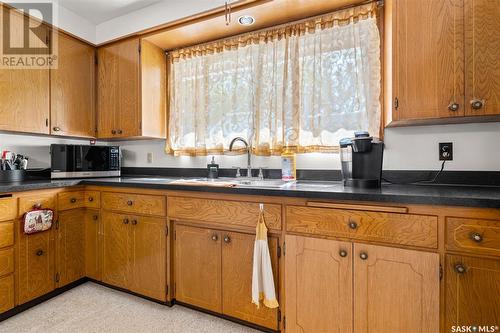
(39, 252)
(56, 129)
(453, 107)
(363, 255)
(343, 253)
(134, 222)
(215, 238)
(352, 224)
(113, 132)
(227, 239)
(476, 237)
(95, 217)
(477, 104)
(37, 206)
(460, 269)
(91, 199)
(125, 221)
(130, 202)
(120, 131)
(72, 200)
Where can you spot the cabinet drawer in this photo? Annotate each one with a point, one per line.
(47, 201)
(476, 235)
(6, 234)
(134, 203)
(6, 293)
(78, 199)
(222, 211)
(8, 209)
(406, 229)
(6, 261)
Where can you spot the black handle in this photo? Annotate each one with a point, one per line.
(95, 217)
(476, 104)
(37, 206)
(72, 200)
(134, 222)
(343, 253)
(39, 252)
(453, 107)
(125, 221)
(130, 202)
(91, 199)
(227, 239)
(120, 131)
(363, 255)
(56, 129)
(352, 224)
(113, 132)
(215, 237)
(460, 269)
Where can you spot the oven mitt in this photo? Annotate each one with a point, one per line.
(38, 220)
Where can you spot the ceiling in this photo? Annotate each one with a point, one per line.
(98, 11)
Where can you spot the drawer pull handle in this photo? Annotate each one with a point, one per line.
(227, 239)
(343, 253)
(130, 202)
(91, 199)
(119, 131)
(113, 132)
(476, 237)
(460, 269)
(95, 217)
(476, 104)
(453, 107)
(134, 222)
(72, 200)
(125, 221)
(56, 129)
(215, 238)
(39, 253)
(37, 206)
(363, 255)
(353, 225)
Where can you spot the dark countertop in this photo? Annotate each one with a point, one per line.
(469, 196)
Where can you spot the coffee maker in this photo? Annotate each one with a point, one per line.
(361, 159)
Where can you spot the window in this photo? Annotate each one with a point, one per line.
(304, 85)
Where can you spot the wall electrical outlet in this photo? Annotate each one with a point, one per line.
(150, 157)
(446, 151)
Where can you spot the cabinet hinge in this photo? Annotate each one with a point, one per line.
(175, 235)
(284, 323)
(279, 251)
(96, 59)
(56, 278)
(396, 103)
(166, 230)
(440, 272)
(139, 47)
(56, 224)
(46, 122)
(47, 38)
(284, 249)
(166, 291)
(279, 315)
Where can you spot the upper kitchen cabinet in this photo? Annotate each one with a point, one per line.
(441, 64)
(73, 89)
(131, 98)
(24, 93)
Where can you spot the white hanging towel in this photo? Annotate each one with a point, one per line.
(262, 278)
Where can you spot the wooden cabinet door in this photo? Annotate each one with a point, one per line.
(395, 290)
(198, 267)
(116, 249)
(6, 293)
(148, 257)
(118, 89)
(472, 291)
(237, 268)
(24, 93)
(482, 60)
(36, 265)
(93, 245)
(428, 59)
(71, 246)
(318, 285)
(73, 90)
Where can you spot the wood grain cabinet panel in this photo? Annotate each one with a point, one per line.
(428, 59)
(41, 200)
(406, 229)
(473, 235)
(72, 89)
(395, 290)
(6, 234)
(198, 279)
(93, 244)
(482, 63)
(318, 285)
(472, 292)
(7, 300)
(8, 209)
(116, 245)
(24, 93)
(6, 261)
(134, 203)
(237, 268)
(78, 199)
(223, 211)
(148, 256)
(71, 246)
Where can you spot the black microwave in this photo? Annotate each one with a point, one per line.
(84, 161)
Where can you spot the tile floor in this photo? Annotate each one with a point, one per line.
(91, 308)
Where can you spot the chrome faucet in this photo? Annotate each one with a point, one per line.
(249, 156)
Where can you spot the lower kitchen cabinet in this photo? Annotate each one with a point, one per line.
(390, 289)
(213, 271)
(318, 285)
(134, 253)
(6, 293)
(93, 245)
(472, 291)
(70, 246)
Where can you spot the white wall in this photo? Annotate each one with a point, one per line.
(476, 147)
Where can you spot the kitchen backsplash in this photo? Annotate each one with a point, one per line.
(476, 148)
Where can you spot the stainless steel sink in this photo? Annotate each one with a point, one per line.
(267, 183)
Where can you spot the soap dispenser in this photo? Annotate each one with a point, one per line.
(213, 169)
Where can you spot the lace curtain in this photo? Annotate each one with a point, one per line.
(303, 86)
